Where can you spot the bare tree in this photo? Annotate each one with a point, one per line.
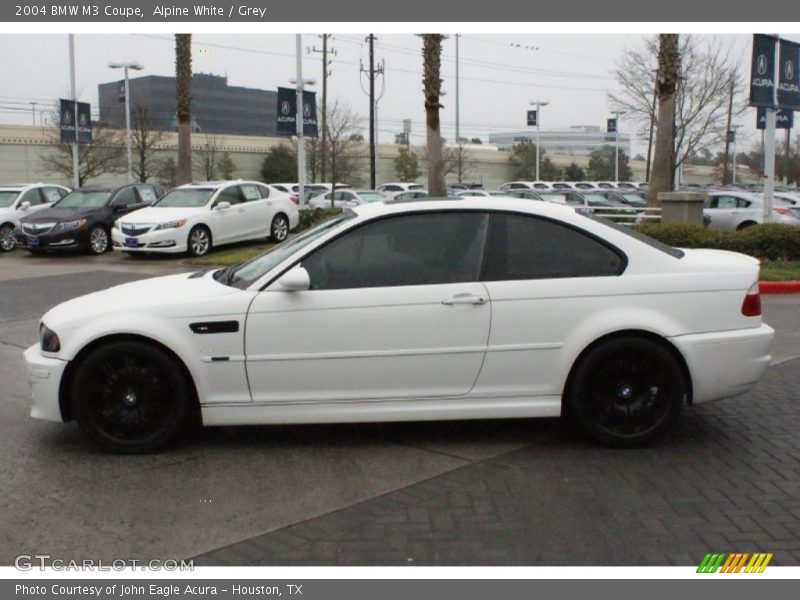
(702, 90)
(668, 68)
(343, 153)
(105, 155)
(432, 88)
(455, 159)
(183, 90)
(207, 156)
(146, 133)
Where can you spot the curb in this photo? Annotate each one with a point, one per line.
(779, 287)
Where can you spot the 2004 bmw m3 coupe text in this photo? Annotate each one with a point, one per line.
(439, 309)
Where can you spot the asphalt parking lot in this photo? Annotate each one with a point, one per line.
(524, 492)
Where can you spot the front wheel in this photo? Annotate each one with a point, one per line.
(129, 397)
(199, 241)
(627, 391)
(279, 230)
(98, 240)
(7, 240)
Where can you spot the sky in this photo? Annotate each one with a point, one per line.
(499, 74)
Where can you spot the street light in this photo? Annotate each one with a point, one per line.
(617, 114)
(301, 147)
(538, 104)
(136, 67)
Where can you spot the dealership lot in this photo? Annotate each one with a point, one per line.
(485, 492)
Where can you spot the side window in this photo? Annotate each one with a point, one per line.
(541, 186)
(710, 202)
(125, 197)
(742, 203)
(250, 192)
(415, 249)
(52, 194)
(147, 193)
(33, 196)
(522, 247)
(726, 202)
(264, 191)
(229, 194)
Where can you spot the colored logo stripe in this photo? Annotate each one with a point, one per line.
(734, 562)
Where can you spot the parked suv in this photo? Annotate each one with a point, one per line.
(20, 200)
(82, 219)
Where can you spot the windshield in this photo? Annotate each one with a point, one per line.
(242, 276)
(634, 199)
(7, 198)
(186, 198)
(78, 199)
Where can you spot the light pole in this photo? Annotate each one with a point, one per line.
(33, 113)
(617, 114)
(301, 147)
(126, 66)
(538, 104)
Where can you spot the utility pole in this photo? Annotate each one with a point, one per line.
(458, 115)
(125, 66)
(786, 160)
(538, 104)
(75, 168)
(324, 117)
(372, 182)
(728, 135)
(33, 113)
(372, 72)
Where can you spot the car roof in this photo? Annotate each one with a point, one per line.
(105, 187)
(494, 203)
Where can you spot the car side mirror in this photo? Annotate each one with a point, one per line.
(295, 280)
(224, 205)
(25, 205)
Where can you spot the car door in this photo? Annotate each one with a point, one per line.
(543, 278)
(721, 211)
(395, 311)
(255, 210)
(226, 223)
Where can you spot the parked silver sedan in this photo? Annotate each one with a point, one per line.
(346, 199)
(734, 210)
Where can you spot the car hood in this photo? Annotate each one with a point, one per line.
(155, 214)
(56, 214)
(172, 296)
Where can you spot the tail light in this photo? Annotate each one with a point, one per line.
(293, 198)
(781, 211)
(751, 307)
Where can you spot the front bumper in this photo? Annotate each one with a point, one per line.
(725, 363)
(62, 240)
(44, 376)
(167, 240)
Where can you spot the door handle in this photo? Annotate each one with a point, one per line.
(241, 210)
(465, 299)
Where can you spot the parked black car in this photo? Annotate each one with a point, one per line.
(82, 220)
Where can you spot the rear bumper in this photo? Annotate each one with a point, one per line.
(725, 363)
(44, 377)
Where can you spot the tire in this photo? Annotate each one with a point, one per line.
(199, 241)
(131, 397)
(626, 391)
(745, 225)
(279, 229)
(7, 240)
(98, 241)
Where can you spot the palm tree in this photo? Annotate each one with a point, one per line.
(432, 87)
(669, 60)
(183, 81)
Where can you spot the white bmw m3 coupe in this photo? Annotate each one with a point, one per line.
(399, 311)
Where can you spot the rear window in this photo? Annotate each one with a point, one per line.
(637, 235)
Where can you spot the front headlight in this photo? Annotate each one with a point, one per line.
(70, 225)
(171, 224)
(48, 340)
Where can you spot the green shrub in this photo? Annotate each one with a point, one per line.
(310, 217)
(770, 242)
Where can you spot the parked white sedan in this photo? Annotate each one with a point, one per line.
(17, 201)
(192, 218)
(439, 309)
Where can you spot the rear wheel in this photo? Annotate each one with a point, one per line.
(7, 240)
(627, 391)
(98, 240)
(130, 396)
(279, 230)
(745, 225)
(199, 241)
